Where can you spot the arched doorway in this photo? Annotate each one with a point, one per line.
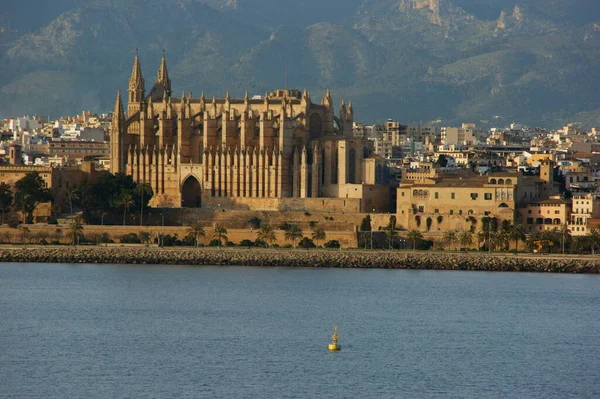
(191, 193)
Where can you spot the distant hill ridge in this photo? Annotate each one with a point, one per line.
(532, 61)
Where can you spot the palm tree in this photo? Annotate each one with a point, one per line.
(594, 239)
(414, 236)
(502, 239)
(220, 234)
(318, 235)
(516, 234)
(266, 233)
(465, 237)
(481, 238)
(75, 231)
(449, 237)
(293, 233)
(565, 235)
(125, 201)
(391, 233)
(71, 193)
(141, 189)
(197, 230)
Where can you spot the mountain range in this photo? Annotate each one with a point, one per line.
(491, 62)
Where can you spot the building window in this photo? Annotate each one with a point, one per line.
(473, 196)
(436, 195)
(436, 211)
(529, 211)
(403, 193)
(460, 211)
(451, 212)
(529, 220)
(421, 208)
(487, 196)
(452, 196)
(557, 212)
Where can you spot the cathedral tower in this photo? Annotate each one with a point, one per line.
(136, 87)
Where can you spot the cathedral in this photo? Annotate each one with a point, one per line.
(279, 151)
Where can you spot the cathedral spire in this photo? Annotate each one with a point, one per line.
(118, 113)
(136, 82)
(162, 77)
(327, 100)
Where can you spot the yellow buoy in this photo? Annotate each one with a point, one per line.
(333, 346)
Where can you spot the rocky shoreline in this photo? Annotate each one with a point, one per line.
(301, 258)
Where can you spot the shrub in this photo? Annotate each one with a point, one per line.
(246, 243)
(43, 241)
(144, 236)
(230, 244)
(307, 214)
(104, 238)
(286, 246)
(52, 220)
(130, 238)
(332, 244)
(306, 243)
(215, 243)
(171, 241)
(188, 241)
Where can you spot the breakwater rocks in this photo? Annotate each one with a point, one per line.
(301, 258)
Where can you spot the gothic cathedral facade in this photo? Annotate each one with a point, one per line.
(250, 152)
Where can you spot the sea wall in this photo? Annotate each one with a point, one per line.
(301, 258)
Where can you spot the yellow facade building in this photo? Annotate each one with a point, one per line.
(455, 203)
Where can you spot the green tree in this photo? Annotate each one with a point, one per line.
(220, 234)
(415, 237)
(293, 233)
(30, 191)
(75, 231)
(71, 194)
(449, 238)
(594, 239)
(197, 231)
(6, 199)
(143, 189)
(465, 237)
(365, 225)
(318, 235)
(516, 234)
(391, 234)
(266, 233)
(125, 201)
(565, 236)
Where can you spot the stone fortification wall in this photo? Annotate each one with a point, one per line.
(342, 205)
(299, 258)
(347, 239)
